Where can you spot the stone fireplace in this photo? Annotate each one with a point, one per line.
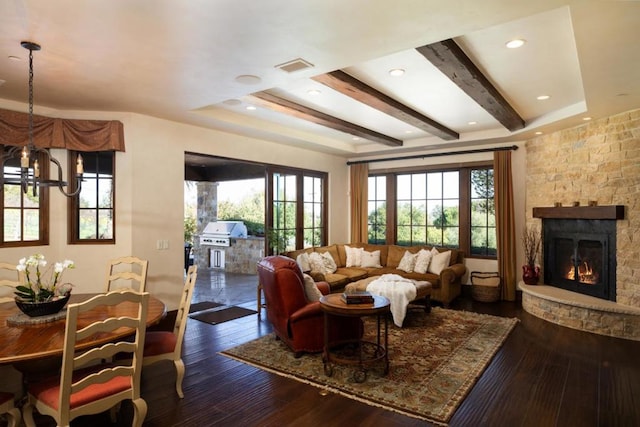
(597, 161)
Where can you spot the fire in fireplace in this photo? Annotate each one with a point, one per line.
(579, 252)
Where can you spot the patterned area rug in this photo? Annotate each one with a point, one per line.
(435, 359)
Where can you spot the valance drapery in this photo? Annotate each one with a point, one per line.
(70, 134)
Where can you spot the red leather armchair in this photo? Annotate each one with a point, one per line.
(297, 321)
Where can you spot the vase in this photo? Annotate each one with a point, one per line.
(530, 274)
(44, 308)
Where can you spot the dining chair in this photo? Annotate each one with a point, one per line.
(165, 345)
(82, 390)
(127, 272)
(9, 277)
(8, 408)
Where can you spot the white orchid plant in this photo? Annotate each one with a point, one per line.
(42, 283)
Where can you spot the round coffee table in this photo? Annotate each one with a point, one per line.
(333, 305)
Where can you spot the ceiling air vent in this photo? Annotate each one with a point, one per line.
(295, 65)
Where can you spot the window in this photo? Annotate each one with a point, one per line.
(25, 217)
(297, 207)
(92, 212)
(377, 209)
(447, 208)
(483, 218)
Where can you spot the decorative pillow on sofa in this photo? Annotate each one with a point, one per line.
(408, 262)
(439, 261)
(354, 256)
(311, 289)
(371, 259)
(422, 262)
(316, 262)
(330, 265)
(303, 261)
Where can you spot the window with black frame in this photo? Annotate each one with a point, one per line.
(92, 212)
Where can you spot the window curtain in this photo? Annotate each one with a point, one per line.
(505, 223)
(70, 134)
(359, 199)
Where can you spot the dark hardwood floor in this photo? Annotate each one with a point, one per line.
(543, 375)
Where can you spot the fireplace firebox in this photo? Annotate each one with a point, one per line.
(579, 248)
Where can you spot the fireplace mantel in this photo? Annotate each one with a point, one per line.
(580, 212)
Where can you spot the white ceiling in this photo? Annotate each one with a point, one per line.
(179, 60)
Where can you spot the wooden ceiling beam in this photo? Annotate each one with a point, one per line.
(354, 88)
(451, 60)
(297, 110)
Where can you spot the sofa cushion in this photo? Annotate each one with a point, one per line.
(384, 250)
(354, 256)
(311, 289)
(333, 250)
(370, 259)
(303, 262)
(408, 262)
(352, 273)
(396, 253)
(423, 261)
(439, 261)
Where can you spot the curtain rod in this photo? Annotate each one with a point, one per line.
(422, 156)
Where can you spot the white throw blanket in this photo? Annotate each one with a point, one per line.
(398, 290)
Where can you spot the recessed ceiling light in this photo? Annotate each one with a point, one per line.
(250, 107)
(472, 123)
(232, 102)
(13, 58)
(538, 133)
(313, 92)
(408, 131)
(355, 138)
(247, 79)
(543, 97)
(586, 119)
(396, 72)
(515, 43)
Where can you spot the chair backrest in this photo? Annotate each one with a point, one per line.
(10, 277)
(78, 329)
(127, 272)
(283, 286)
(185, 304)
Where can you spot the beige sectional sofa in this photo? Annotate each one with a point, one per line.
(446, 285)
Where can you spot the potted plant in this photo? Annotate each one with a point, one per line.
(531, 242)
(43, 291)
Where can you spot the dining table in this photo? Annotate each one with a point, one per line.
(22, 344)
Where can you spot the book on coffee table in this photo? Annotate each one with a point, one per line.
(359, 297)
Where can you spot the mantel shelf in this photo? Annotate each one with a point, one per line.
(580, 212)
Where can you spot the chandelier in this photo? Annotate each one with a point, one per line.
(29, 154)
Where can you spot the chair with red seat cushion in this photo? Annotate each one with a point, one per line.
(80, 390)
(8, 408)
(297, 321)
(165, 345)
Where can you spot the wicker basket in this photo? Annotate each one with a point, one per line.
(485, 287)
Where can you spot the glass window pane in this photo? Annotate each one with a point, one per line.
(105, 194)
(105, 224)
(12, 225)
(381, 188)
(12, 196)
(451, 186)
(419, 186)
(88, 227)
(88, 198)
(403, 187)
(290, 188)
(434, 185)
(31, 224)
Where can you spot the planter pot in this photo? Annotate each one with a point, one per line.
(36, 309)
(530, 274)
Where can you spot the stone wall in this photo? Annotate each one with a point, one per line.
(243, 255)
(598, 161)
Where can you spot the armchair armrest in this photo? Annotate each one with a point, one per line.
(308, 311)
(323, 287)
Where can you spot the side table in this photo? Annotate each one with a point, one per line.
(332, 305)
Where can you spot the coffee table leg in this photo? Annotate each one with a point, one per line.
(326, 353)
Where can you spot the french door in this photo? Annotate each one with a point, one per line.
(296, 209)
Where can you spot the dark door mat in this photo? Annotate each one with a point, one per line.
(222, 314)
(204, 305)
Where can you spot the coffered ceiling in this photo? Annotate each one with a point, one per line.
(316, 73)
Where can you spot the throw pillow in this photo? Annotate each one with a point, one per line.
(422, 262)
(316, 262)
(354, 256)
(371, 259)
(311, 289)
(408, 262)
(303, 261)
(439, 262)
(330, 265)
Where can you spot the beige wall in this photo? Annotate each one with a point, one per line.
(597, 161)
(150, 199)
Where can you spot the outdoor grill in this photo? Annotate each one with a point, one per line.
(220, 233)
